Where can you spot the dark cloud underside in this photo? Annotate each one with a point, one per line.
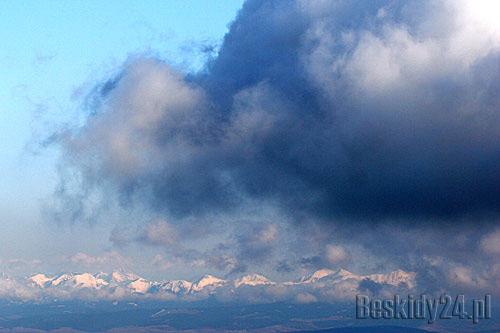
(352, 110)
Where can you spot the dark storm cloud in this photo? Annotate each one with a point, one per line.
(328, 109)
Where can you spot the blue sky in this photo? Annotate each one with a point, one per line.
(50, 50)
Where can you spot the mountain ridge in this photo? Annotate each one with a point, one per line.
(117, 284)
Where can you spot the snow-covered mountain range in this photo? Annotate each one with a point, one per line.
(323, 283)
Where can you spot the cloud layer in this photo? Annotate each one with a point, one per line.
(326, 113)
(331, 109)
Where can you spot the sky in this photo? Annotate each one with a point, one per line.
(51, 51)
(276, 137)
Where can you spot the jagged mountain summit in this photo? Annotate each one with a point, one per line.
(120, 285)
(395, 278)
(207, 282)
(253, 280)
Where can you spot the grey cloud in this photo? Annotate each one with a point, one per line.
(377, 118)
(257, 243)
(311, 262)
(347, 110)
(284, 267)
(226, 263)
(159, 233)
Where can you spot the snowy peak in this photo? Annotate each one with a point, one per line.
(61, 279)
(127, 285)
(317, 275)
(85, 280)
(120, 277)
(252, 280)
(345, 273)
(176, 286)
(395, 278)
(140, 286)
(340, 274)
(208, 281)
(41, 280)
